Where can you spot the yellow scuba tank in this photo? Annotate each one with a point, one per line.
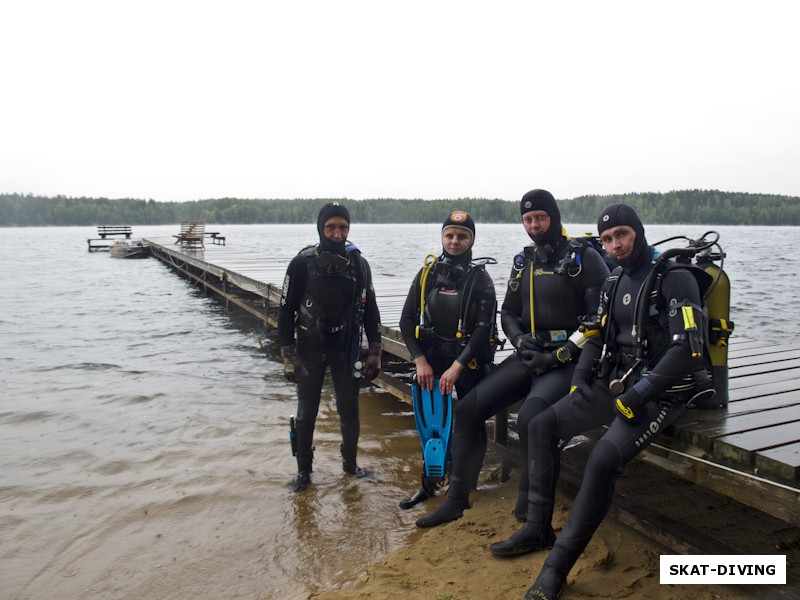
(718, 305)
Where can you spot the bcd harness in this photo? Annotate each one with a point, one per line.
(313, 314)
(454, 345)
(571, 264)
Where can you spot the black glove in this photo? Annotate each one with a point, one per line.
(630, 405)
(527, 341)
(293, 368)
(372, 366)
(536, 362)
(581, 388)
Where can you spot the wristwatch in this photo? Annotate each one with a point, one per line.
(564, 354)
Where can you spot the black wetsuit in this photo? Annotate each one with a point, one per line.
(559, 301)
(320, 307)
(669, 365)
(465, 292)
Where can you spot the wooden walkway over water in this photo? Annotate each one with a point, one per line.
(749, 452)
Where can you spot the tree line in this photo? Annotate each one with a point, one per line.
(707, 207)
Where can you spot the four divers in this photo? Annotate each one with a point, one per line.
(591, 348)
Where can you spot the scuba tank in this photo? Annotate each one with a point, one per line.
(720, 327)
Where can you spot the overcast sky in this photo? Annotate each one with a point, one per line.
(184, 100)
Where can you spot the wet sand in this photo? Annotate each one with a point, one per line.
(453, 561)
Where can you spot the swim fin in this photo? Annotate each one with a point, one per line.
(434, 416)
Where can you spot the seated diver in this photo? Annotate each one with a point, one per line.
(446, 322)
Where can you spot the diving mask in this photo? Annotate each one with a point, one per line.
(331, 262)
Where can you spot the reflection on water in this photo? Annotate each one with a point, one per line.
(143, 430)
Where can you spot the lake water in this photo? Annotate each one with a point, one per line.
(143, 429)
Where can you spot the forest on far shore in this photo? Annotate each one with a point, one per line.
(702, 207)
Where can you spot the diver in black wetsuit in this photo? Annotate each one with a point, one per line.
(459, 300)
(655, 392)
(543, 324)
(327, 302)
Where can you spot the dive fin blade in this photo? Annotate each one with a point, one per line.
(435, 454)
(434, 414)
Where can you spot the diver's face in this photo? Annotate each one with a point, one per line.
(618, 241)
(536, 222)
(456, 240)
(336, 229)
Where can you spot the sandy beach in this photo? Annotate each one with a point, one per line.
(453, 562)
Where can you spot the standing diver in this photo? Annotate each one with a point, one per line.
(327, 302)
(644, 366)
(446, 323)
(554, 282)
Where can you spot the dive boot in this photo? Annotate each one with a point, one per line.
(450, 510)
(419, 496)
(548, 585)
(300, 482)
(529, 538)
(426, 491)
(354, 469)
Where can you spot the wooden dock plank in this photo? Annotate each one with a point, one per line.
(734, 362)
(703, 434)
(766, 367)
(764, 402)
(787, 377)
(745, 391)
(739, 407)
(742, 447)
(783, 461)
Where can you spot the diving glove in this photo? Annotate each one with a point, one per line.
(372, 366)
(630, 405)
(536, 362)
(527, 341)
(293, 368)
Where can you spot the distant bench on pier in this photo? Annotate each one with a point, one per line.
(114, 230)
(108, 231)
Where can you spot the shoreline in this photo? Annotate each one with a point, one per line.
(452, 561)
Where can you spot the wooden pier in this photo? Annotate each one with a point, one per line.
(749, 452)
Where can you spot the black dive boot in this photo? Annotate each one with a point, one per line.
(548, 585)
(349, 465)
(426, 491)
(354, 469)
(529, 538)
(449, 510)
(300, 482)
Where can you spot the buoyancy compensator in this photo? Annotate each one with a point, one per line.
(704, 254)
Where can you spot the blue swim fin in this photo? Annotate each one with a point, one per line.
(434, 416)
